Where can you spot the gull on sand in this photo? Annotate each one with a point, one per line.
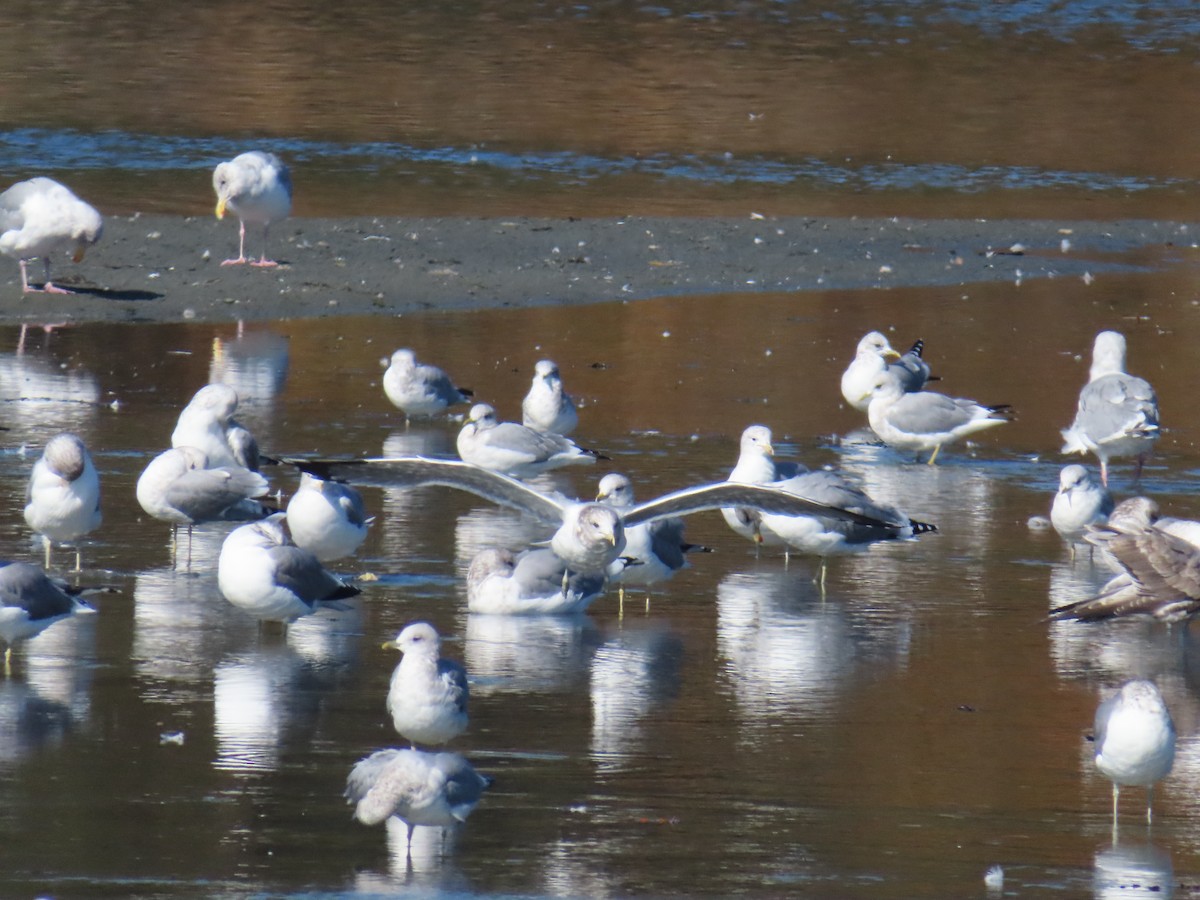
(39, 217)
(256, 187)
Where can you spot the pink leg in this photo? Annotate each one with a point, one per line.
(263, 262)
(1104, 472)
(241, 258)
(46, 288)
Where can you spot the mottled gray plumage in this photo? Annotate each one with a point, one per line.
(500, 582)
(428, 695)
(419, 389)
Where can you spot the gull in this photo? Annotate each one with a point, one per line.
(514, 449)
(327, 518)
(1080, 502)
(30, 602)
(62, 499)
(875, 356)
(207, 424)
(1135, 740)
(547, 408)
(815, 534)
(1117, 413)
(589, 536)
(178, 487)
(419, 788)
(256, 187)
(656, 549)
(926, 420)
(419, 389)
(261, 571)
(500, 582)
(40, 216)
(428, 695)
(1158, 570)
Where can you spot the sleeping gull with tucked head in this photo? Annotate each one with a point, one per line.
(500, 582)
(547, 407)
(207, 424)
(514, 449)
(256, 187)
(30, 602)
(41, 216)
(1117, 413)
(428, 695)
(62, 499)
(419, 389)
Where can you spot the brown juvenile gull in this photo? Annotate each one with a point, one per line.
(1117, 413)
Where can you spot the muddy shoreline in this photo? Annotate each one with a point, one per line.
(154, 268)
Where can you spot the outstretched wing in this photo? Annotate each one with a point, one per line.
(726, 493)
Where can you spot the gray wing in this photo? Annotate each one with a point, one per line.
(301, 573)
(726, 493)
(442, 387)
(415, 471)
(464, 786)
(539, 573)
(1103, 713)
(832, 489)
(926, 412)
(27, 587)
(349, 501)
(455, 677)
(206, 493)
(911, 370)
(666, 542)
(1110, 406)
(519, 439)
(243, 446)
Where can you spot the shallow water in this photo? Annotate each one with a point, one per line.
(915, 726)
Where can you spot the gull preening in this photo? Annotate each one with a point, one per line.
(30, 602)
(1117, 413)
(926, 420)
(39, 217)
(261, 571)
(256, 187)
(1079, 503)
(418, 389)
(327, 518)
(419, 788)
(1135, 740)
(62, 499)
(513, 449)
(428, 695)
(589, 536)
(815, 534)
(875, 356)
(547, 407)
(500, 582)
(207, 424)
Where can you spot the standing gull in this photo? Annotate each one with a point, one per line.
(500, 582)
(814, 534)
(428, 695)
(62, 499)
(926, 420)
(327, 518)
(29, 604)
(1080, 502)
(590, 536)
(207, 424)
(419, 389)
(875, 356)
(547, 407)
(419, 788)
(513, 449)
(261, 571)
(256, 187)
(1117, 413)
(1135, 740)
(41, 216)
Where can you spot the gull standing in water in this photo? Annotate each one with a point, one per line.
(419, 788)
(590, 536)
(418, 389)
(1117, 413)
(207, 424)
(1135, 740)
(1080, 502)
(29, 604)
(256, 187)
(547, 407)
(500, 582)
(41, 216)
(926, 420)
(261, 571)
(428, 695)
(327, 518)
(815, 534)
(875, 356)
(513, 449)
(62, 499)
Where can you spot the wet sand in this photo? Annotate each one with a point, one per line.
(153, 268)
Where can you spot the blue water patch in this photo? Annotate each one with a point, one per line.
(37, 150)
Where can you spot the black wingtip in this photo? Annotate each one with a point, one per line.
(917, 348)
(466, 392)
(921, 527)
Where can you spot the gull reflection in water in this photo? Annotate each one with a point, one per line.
(402, 522)
(254, 363)
(41, 393)
(633, 674)
(1132, 870)
(528, 654)
(428, 868)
